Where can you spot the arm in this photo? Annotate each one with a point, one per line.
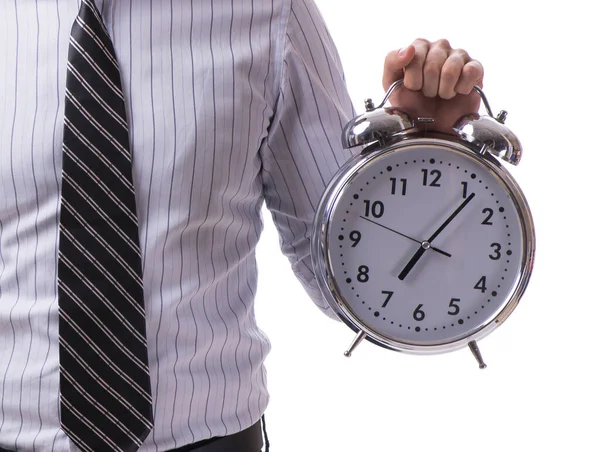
(303, 149)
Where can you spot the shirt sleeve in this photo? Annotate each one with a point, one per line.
(303, 149)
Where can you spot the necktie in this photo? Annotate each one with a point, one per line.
(105, 396)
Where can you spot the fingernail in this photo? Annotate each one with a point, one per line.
(401, 52)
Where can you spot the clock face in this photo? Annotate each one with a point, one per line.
(425, 244)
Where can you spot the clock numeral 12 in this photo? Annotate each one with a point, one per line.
(435, 174)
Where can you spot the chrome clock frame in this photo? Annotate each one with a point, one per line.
(320, 242)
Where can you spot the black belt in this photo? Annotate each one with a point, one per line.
(249, 440)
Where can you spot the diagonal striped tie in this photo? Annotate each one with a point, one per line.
(106, 403)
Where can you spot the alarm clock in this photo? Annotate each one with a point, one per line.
(423, 242)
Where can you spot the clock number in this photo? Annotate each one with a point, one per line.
(418, 314)
(490, 213)
(464, 189)
(402, 186)
(497, 254)
(376, 209)
(388, 297)
(363, 274)
(454, 309)
(481, 285)
(355, 236)
(436, 174)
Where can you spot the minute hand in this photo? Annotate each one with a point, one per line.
(426, 245)
(451, 217)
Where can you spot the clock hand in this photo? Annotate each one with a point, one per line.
(451, 217)
(411, 263)
(427, 244)
(406, 236)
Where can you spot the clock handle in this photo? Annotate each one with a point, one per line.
(389, 92)
(500, 118)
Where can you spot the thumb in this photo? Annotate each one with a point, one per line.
(395, 62)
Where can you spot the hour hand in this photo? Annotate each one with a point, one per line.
(411, 263)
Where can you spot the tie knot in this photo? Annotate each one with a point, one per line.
(89, 13)
(88, 4)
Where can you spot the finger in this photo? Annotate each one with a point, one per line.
(451, 72)
(413, 72)
(395, 62)
(432, 69)
(471, 75)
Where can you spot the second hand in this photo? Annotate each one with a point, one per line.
(437, 250)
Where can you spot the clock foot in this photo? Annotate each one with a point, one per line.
(357, 340)
(477, 354)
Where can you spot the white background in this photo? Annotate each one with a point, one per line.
(540, 391)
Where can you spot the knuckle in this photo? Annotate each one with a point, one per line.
(422, 46)
(462, 54)
(443, 43)
(437, 55)
(421, 41)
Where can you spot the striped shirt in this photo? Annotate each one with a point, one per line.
(230, 103)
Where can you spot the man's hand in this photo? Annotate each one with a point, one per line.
(438, 81)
